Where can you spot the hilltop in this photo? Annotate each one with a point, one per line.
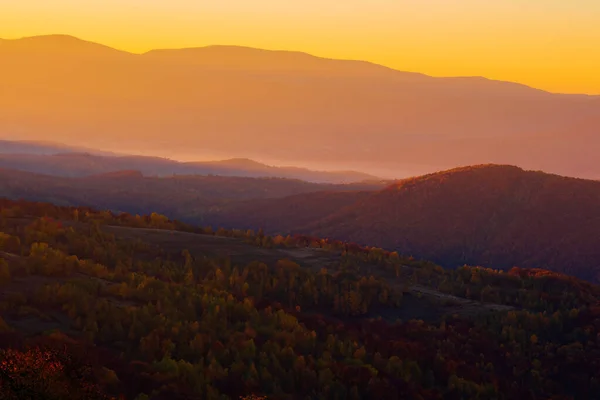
(497, 216)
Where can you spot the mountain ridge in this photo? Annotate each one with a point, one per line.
(79, 42)
(62, 160)
(271, 108)
(56, 42)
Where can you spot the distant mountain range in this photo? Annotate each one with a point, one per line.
(275, 105)
(65, 161)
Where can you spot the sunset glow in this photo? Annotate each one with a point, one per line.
(550, 44)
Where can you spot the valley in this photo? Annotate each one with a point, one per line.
(270, 200)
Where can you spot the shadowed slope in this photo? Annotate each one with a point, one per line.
(183, 197)
(491, 215)
(283, 215)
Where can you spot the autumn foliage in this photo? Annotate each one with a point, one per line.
(38, 373)
(144, 320)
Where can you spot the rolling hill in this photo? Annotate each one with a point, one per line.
(272, 105)
(490, 215)
(60, 160)
(183, 197)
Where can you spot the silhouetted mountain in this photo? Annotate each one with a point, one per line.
(73, 164)
(44, 148)
(65, 45)
(284, 105)
(491, 215)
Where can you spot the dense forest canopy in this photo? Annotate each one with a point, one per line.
(102, 305)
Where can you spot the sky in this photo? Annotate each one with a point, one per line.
(548, 44)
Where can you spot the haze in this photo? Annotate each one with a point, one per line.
(314, 109)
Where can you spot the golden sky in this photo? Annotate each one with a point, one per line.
(549, 44)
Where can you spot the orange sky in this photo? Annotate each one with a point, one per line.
(549, 44)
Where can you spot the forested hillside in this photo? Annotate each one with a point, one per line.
(497, 216)
(96, 305)
(491, 215)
